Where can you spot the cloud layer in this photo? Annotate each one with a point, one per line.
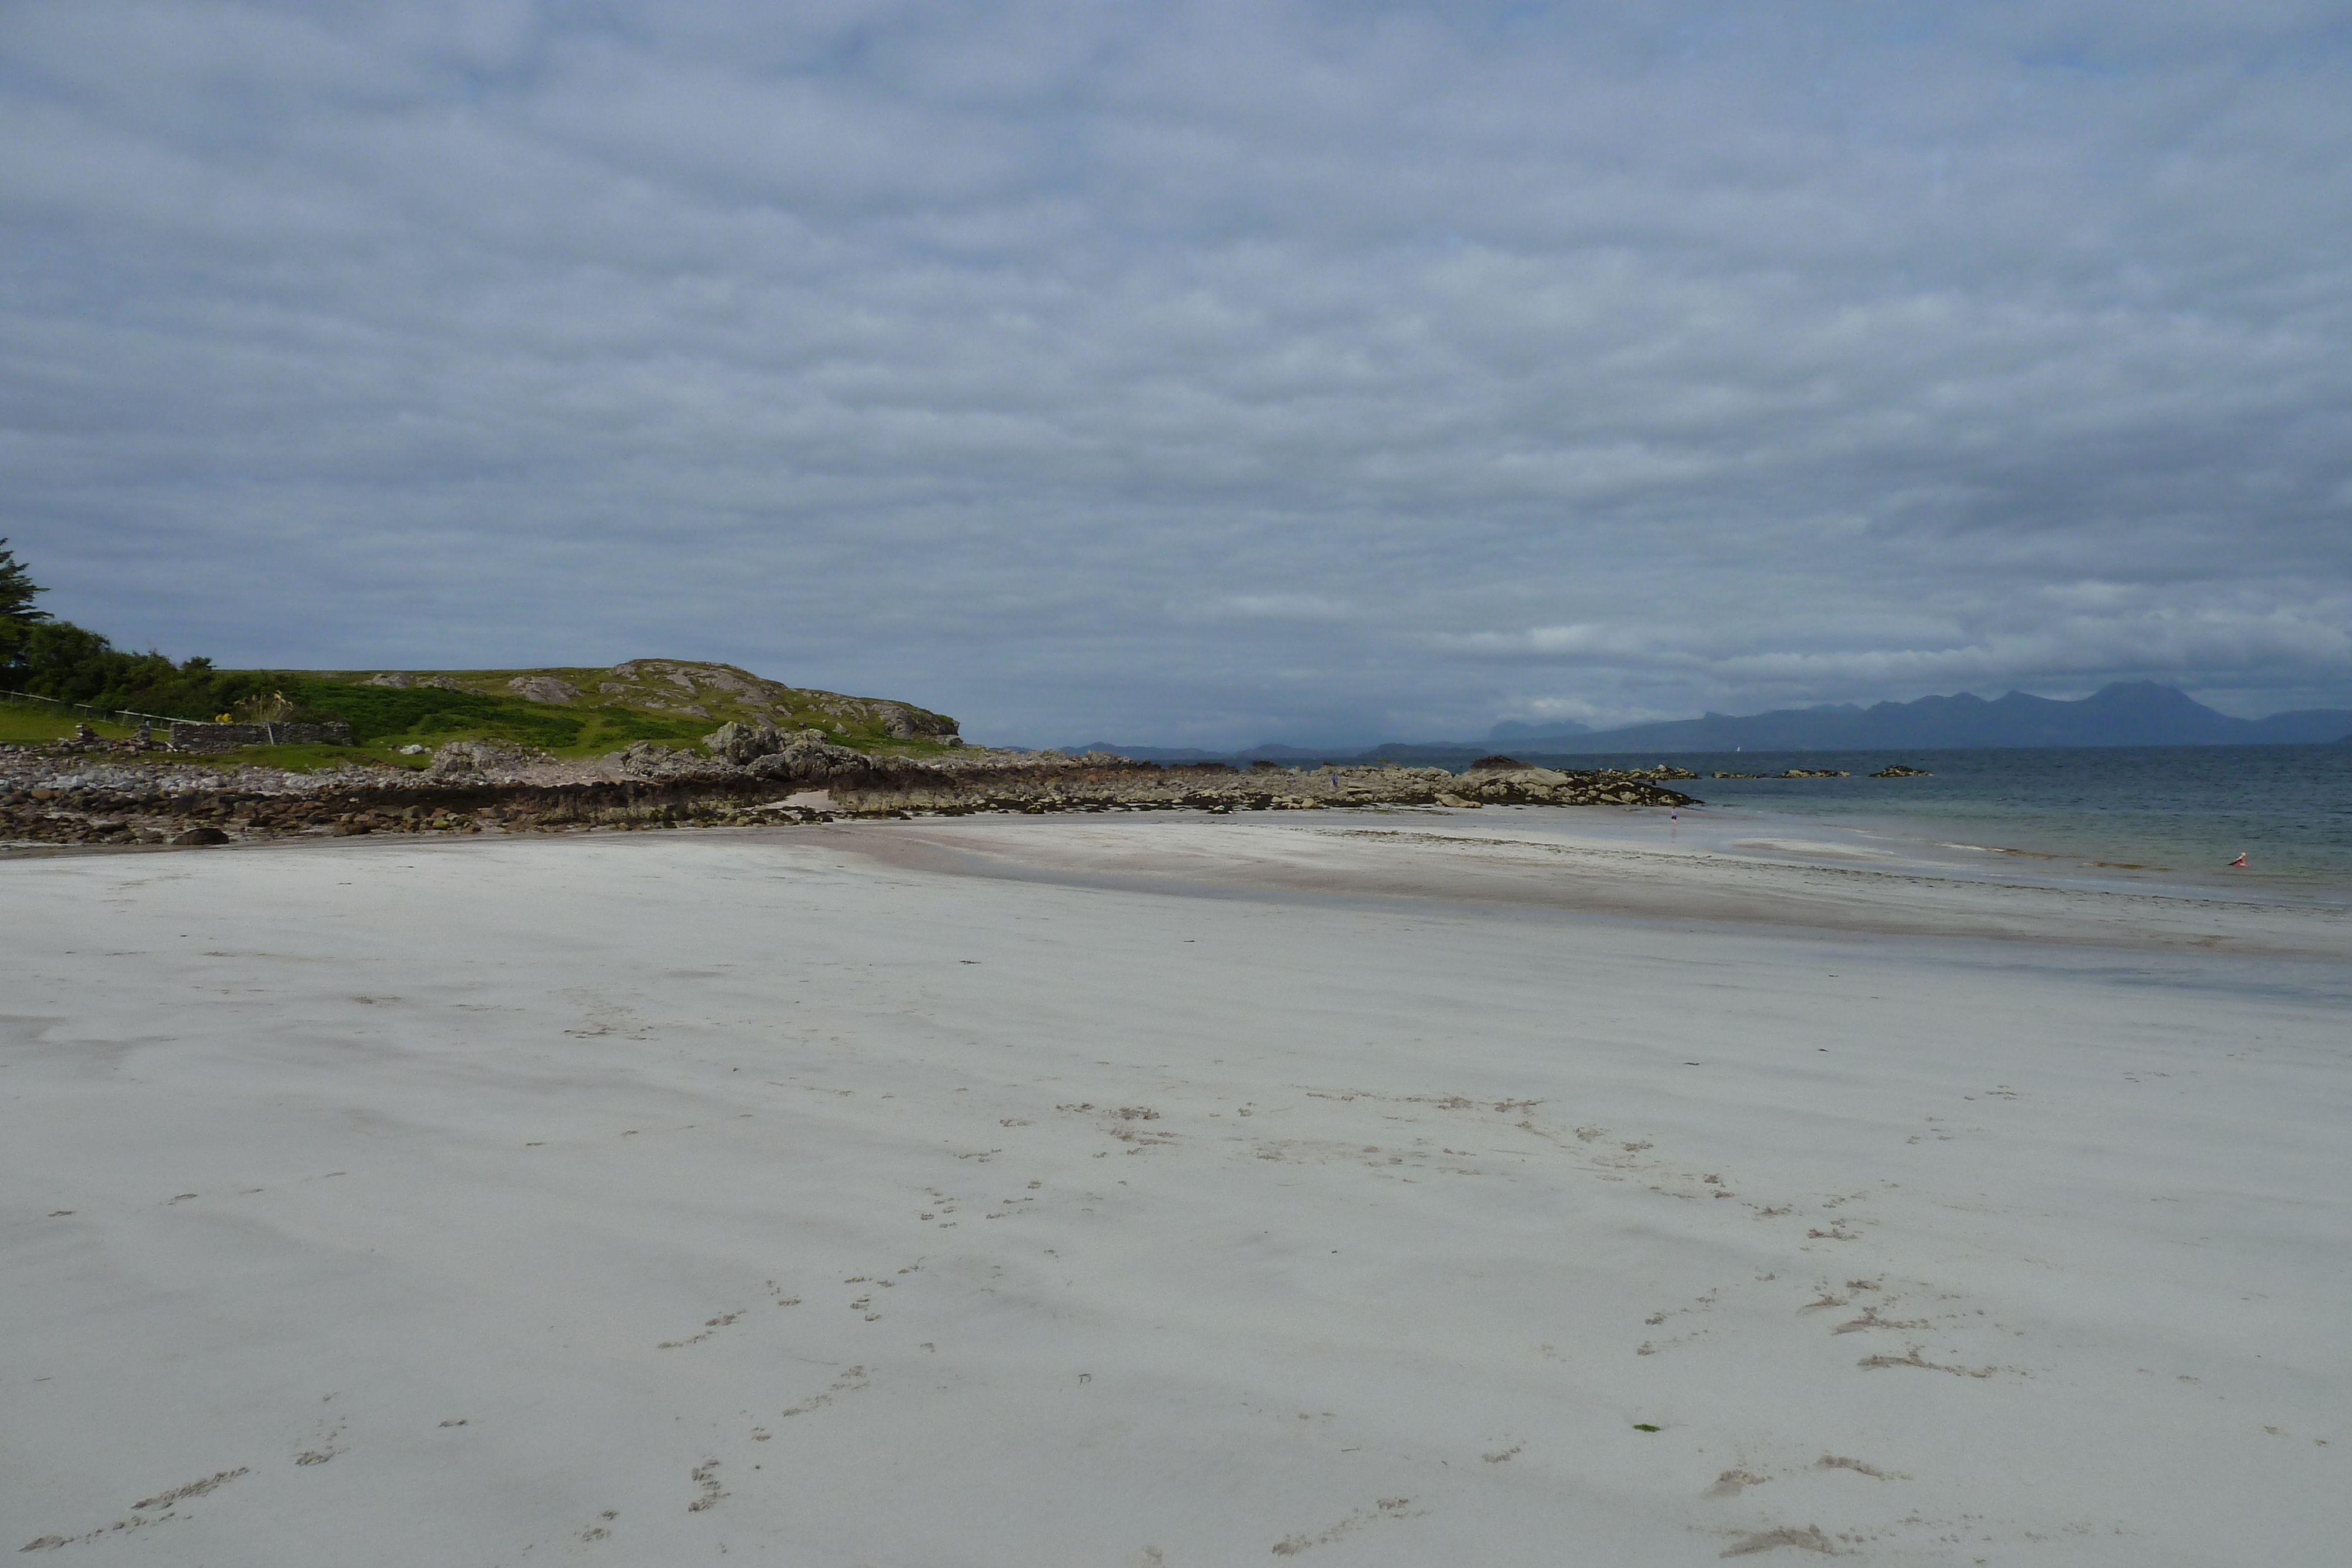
(1197, 373)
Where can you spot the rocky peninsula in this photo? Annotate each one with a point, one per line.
(94, 792)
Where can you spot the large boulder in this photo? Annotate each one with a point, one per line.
(741, 743)
(651, 760)
(809, 758)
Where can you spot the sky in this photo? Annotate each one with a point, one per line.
(1196, 373)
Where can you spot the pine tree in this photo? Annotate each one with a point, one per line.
(17, 590)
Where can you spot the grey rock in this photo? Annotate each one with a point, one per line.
(195, 836)
(651, 760)
(809, 759)
(741, 743)
(543, 688)
(467, 759)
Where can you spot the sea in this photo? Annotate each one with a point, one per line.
(2167, 814)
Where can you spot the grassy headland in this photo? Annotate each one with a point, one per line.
(569, 712)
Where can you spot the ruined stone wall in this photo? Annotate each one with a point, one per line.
(188, 736)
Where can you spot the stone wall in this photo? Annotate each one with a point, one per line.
(187, 735)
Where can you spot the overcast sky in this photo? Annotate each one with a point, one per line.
(1196, 373)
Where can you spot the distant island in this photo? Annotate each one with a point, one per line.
(2126, 713)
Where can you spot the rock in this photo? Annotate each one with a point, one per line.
(412, 750)
(543, 688)
(810, 759)
(1496, 764)
(467, 759)
(1814, 773)
(391, 678)
(650, 759)
(742, 743)
(1444, 799)
(195, 836)
(1896, 770)
(904, 722)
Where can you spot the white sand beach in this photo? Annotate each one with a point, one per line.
(1374, 1189)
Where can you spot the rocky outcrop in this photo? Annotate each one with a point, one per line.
(474, 760)
(54, 795)
(798, 757)
(401, 681)
(680, 686)
(1522, 786)
(543, 689)
(1896, 770)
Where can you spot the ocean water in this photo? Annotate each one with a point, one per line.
(2173, 813)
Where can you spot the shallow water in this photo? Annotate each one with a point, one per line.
(2176, 813)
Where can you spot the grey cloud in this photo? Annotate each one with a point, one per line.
(1199, 372)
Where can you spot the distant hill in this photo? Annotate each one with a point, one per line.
(2127, 713)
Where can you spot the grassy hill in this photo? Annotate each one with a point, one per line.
(571, 711)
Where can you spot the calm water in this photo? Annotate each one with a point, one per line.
(2179, 811)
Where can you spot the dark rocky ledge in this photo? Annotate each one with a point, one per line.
(62, 796)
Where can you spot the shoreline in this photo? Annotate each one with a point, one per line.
(1530, 858)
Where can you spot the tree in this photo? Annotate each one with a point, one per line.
(43, 656)
(17, 590)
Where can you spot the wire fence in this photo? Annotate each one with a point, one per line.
(150, 718)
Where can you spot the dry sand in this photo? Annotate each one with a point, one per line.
(1163, 1192)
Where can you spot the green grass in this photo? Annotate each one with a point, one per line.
(21, 722)
(391, 717)
(384, 718)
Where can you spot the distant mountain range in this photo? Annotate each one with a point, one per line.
(2127, 713)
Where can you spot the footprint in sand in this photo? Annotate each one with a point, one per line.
(1809, 1538)
(149, 1510)
(1386, 1508)
(849, 1382)
(710, 1326)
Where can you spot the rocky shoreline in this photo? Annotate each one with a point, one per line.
(77, 794)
